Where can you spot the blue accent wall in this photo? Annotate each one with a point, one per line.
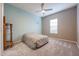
(23, 21)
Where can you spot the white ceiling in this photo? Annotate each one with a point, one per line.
(33, 7)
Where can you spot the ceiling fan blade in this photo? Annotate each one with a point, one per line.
(48, 9)
(38, 11)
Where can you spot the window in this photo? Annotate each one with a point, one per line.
(54, 26)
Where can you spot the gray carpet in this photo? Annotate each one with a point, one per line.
(53, 48)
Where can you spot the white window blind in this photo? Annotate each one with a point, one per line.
(54, 26)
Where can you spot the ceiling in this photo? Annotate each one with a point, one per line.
(33, 7)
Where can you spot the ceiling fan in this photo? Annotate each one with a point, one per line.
(43, 10)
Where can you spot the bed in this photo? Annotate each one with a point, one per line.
(35, 41)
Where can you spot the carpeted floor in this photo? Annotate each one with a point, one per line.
(53, 48)
(0, 51)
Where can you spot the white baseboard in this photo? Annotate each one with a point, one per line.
(67, 40)
(77, 45)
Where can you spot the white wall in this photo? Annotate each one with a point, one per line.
(0, 25)
(78, 24)
(23, 21)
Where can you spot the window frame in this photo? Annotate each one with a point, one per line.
(54, 30)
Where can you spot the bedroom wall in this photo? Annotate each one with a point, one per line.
(66, 24)
(78, 24)
(23, 21)
(1, 25)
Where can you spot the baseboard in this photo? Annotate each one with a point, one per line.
(67, 40)
(70, 41)
(77, 45)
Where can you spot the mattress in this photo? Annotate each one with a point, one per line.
(35, 41)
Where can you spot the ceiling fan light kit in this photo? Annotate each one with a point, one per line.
(43, 11)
